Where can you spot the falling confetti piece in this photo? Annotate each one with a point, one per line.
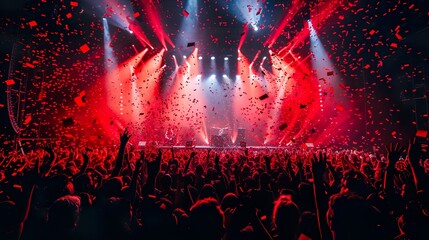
(10, 82)
(421, 133)
(32, 24)
(185, 13)
(84, 48)
(283, 126)
(263, 97)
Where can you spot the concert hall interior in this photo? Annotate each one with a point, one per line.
(214, 119)
(287, 72)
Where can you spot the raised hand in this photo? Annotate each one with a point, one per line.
(125, 137)
(154, 166)
(268, 158)
(84, 155)
(45, 166)
(394, 152)
(85, 162)
(318, 165)
(48, 148)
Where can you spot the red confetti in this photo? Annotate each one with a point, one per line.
(74, 4)
(27, 120)
(69, 15)
(185, 13)
(136, 14)
(399, 37)
(29, 65)
(84, 48)
(32, 24)
(394, 45)
(10, 82)
(421, 133)
(68, 135)
(372, 32)
(339, 108)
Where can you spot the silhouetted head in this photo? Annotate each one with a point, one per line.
(206, 220)
(286, 216)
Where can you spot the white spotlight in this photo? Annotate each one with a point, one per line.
(184, 56)
(238, 58)
(213, 76)
(200, 58)
(226, 59)
(131, 32)
(212, 58)
(225, 76)
(255, 28)
(174, 56)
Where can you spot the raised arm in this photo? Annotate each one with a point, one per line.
(320, 199)
(85, 164)
(120, 158)
(133, 184)
(191, 157)
(393, 154)
(414, 152)
(47, 164)
(153, 170)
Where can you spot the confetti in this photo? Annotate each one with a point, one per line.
(32, 24)
(185, 13)
(84, 48)
(283, 126)
(263, 97)
(9, 82)
(68, 122)
(421, 133)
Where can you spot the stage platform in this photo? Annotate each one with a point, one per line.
(223, 148)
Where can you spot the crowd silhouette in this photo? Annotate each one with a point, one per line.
(99, 192)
